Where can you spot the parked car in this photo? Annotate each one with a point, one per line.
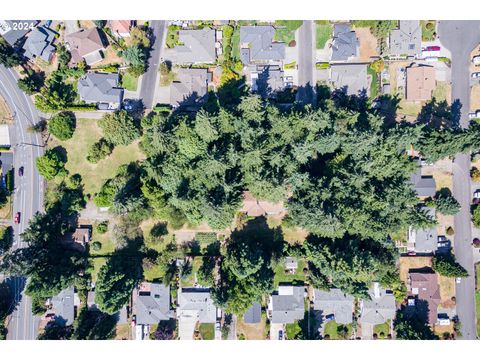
(20, 171)
(431, 48)
(289, 78)
(443, 244)
(16, 220)
(280, 335)
(330, 317)
(217, 326)
(476, 194)
(476, 60)
(458, 280)
(476, 75)
(476, 242)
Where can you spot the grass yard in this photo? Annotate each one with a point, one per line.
(332, 330)
(236, 43)
(285, 30)
(96, 264)
(293, 330)
(5, 115)
(382, 329)
(428, 30)
(253, 331)
(281, 277)
(129, 82)
(413, 262)
(409, 108)
(207, 331)
(94, 175)
(123, 332)
(442, 91)
(107, 244)
(6, 210)
(172, 37)
(374, 85)
(189, 281)
(324, 33)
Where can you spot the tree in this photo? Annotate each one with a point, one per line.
(446, 265)
(62, 125)
(8, 57)
(100, 23)
(6, 239)
(56, 94)
(139, 37)
(31, 83)
(445, 203)
(94, 325)
(99, 150)
(412, 326)
(51, 164)
(119, 128)
(55, 331)
(134, 56)
(102, 227)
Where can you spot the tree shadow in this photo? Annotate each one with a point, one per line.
(440, 115)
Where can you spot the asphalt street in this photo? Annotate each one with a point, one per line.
(150, 79)
(460, 37)
(28, 196)
(306, 64)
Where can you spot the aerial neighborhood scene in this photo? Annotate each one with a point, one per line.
(239, 179)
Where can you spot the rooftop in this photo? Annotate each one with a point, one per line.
(350, 78)
(345, 44)
(425, 287)
(190, 87)
(334, 302)
(420, 82)
(197, 46)
(82, 44)
(152, 303)
(407, 39)
(257, 44)
(287, 304)
(380, 308)
(197, 303)
(100, 88)
(39, 44)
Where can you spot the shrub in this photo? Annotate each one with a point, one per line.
(102, 227)
(97, 246)
(62, 125)
(99, 150)
(475, 174)
(292, 43)
(450, 231)
(159, 230)
(447, 266)
(119, 128)
(51, 164)
(476, 216)
(445, 203)
(9, 181)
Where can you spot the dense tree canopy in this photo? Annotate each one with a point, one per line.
(62, 125)
(119, 128)
(50, 164)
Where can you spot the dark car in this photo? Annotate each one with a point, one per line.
(330, 317)
(20, 171)
(16, 220)
(280, 335)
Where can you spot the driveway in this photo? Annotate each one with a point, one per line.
(460, 37)
(275, 329)
(71, 26)
(306, 63)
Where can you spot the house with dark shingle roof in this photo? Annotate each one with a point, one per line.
(423, 241)
(424, 287)
(85, 44)
(101, 89)
(197, 46)
(253, 315)
(350, 78)
(189, 90)
(39, 44)
(345, 44)
(62, 306)
(336, 302)
(424, 186)
(14, 30)
(287, 304)
(407, 39)
(152, 303)
(257, 45)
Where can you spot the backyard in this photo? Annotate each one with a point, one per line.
(207, 331)
(334, 331)
(282, 277)
(94, 175)
(285, 30)
(324, 33)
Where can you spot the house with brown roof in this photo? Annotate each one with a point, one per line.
(78, 239)
(85, 44)
(424, 288)
(120, 28)
(253, 207)
(420, 82)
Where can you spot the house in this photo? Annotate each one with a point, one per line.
(190, 88)
(420, 82)
(151, 303)
(85, 44)
(253, 207)
(122, 314)
(334, 302)
(62, 306)
(380, 308)
(350, 78)
(345, 44)
(78, 239)
(423, 241)
(195, 305)
(120, 28)
(291, 264)
(287, 305)
(14, 30)
(257, 45)
(267, 80)
(39, 44)
(197, 46)
(424, 288)
(424, 186)
(253, 315)
(407, 39)
(101, 89)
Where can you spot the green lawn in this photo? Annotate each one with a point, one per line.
(129, 82)
(382, 328)
(374, 85)
(236, 43)
(207, 331)
(293, 330)
(428, 30)
(331, 329)
(440, 93)
(190, 280)
(285, 30)
(96, 264)
(324, 32)
(94, 175)
(107, 244)
(281, 277)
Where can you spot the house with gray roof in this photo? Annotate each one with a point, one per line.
(39, 44)
(152, 303)
(345, 44)
(102, 89)
(287, 304)
(424, 186)
(334, 302)
(197, 46)
(253, 315)
(423, 241)
(267, 80)
(407, 39)
(350, 78)
(257, 45)
(14, 30)
(197, 303)
(189, 90)
(62, 306)
(380, 308)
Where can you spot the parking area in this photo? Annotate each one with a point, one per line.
(277, 332)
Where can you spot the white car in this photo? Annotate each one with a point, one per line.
(475, 75)
(476, 60)
(458, 280)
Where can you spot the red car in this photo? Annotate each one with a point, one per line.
(432, 48)
(16, 220)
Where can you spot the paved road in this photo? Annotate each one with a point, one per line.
(150, 79)
(306, 63)
(460, 37)
(28, 197)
